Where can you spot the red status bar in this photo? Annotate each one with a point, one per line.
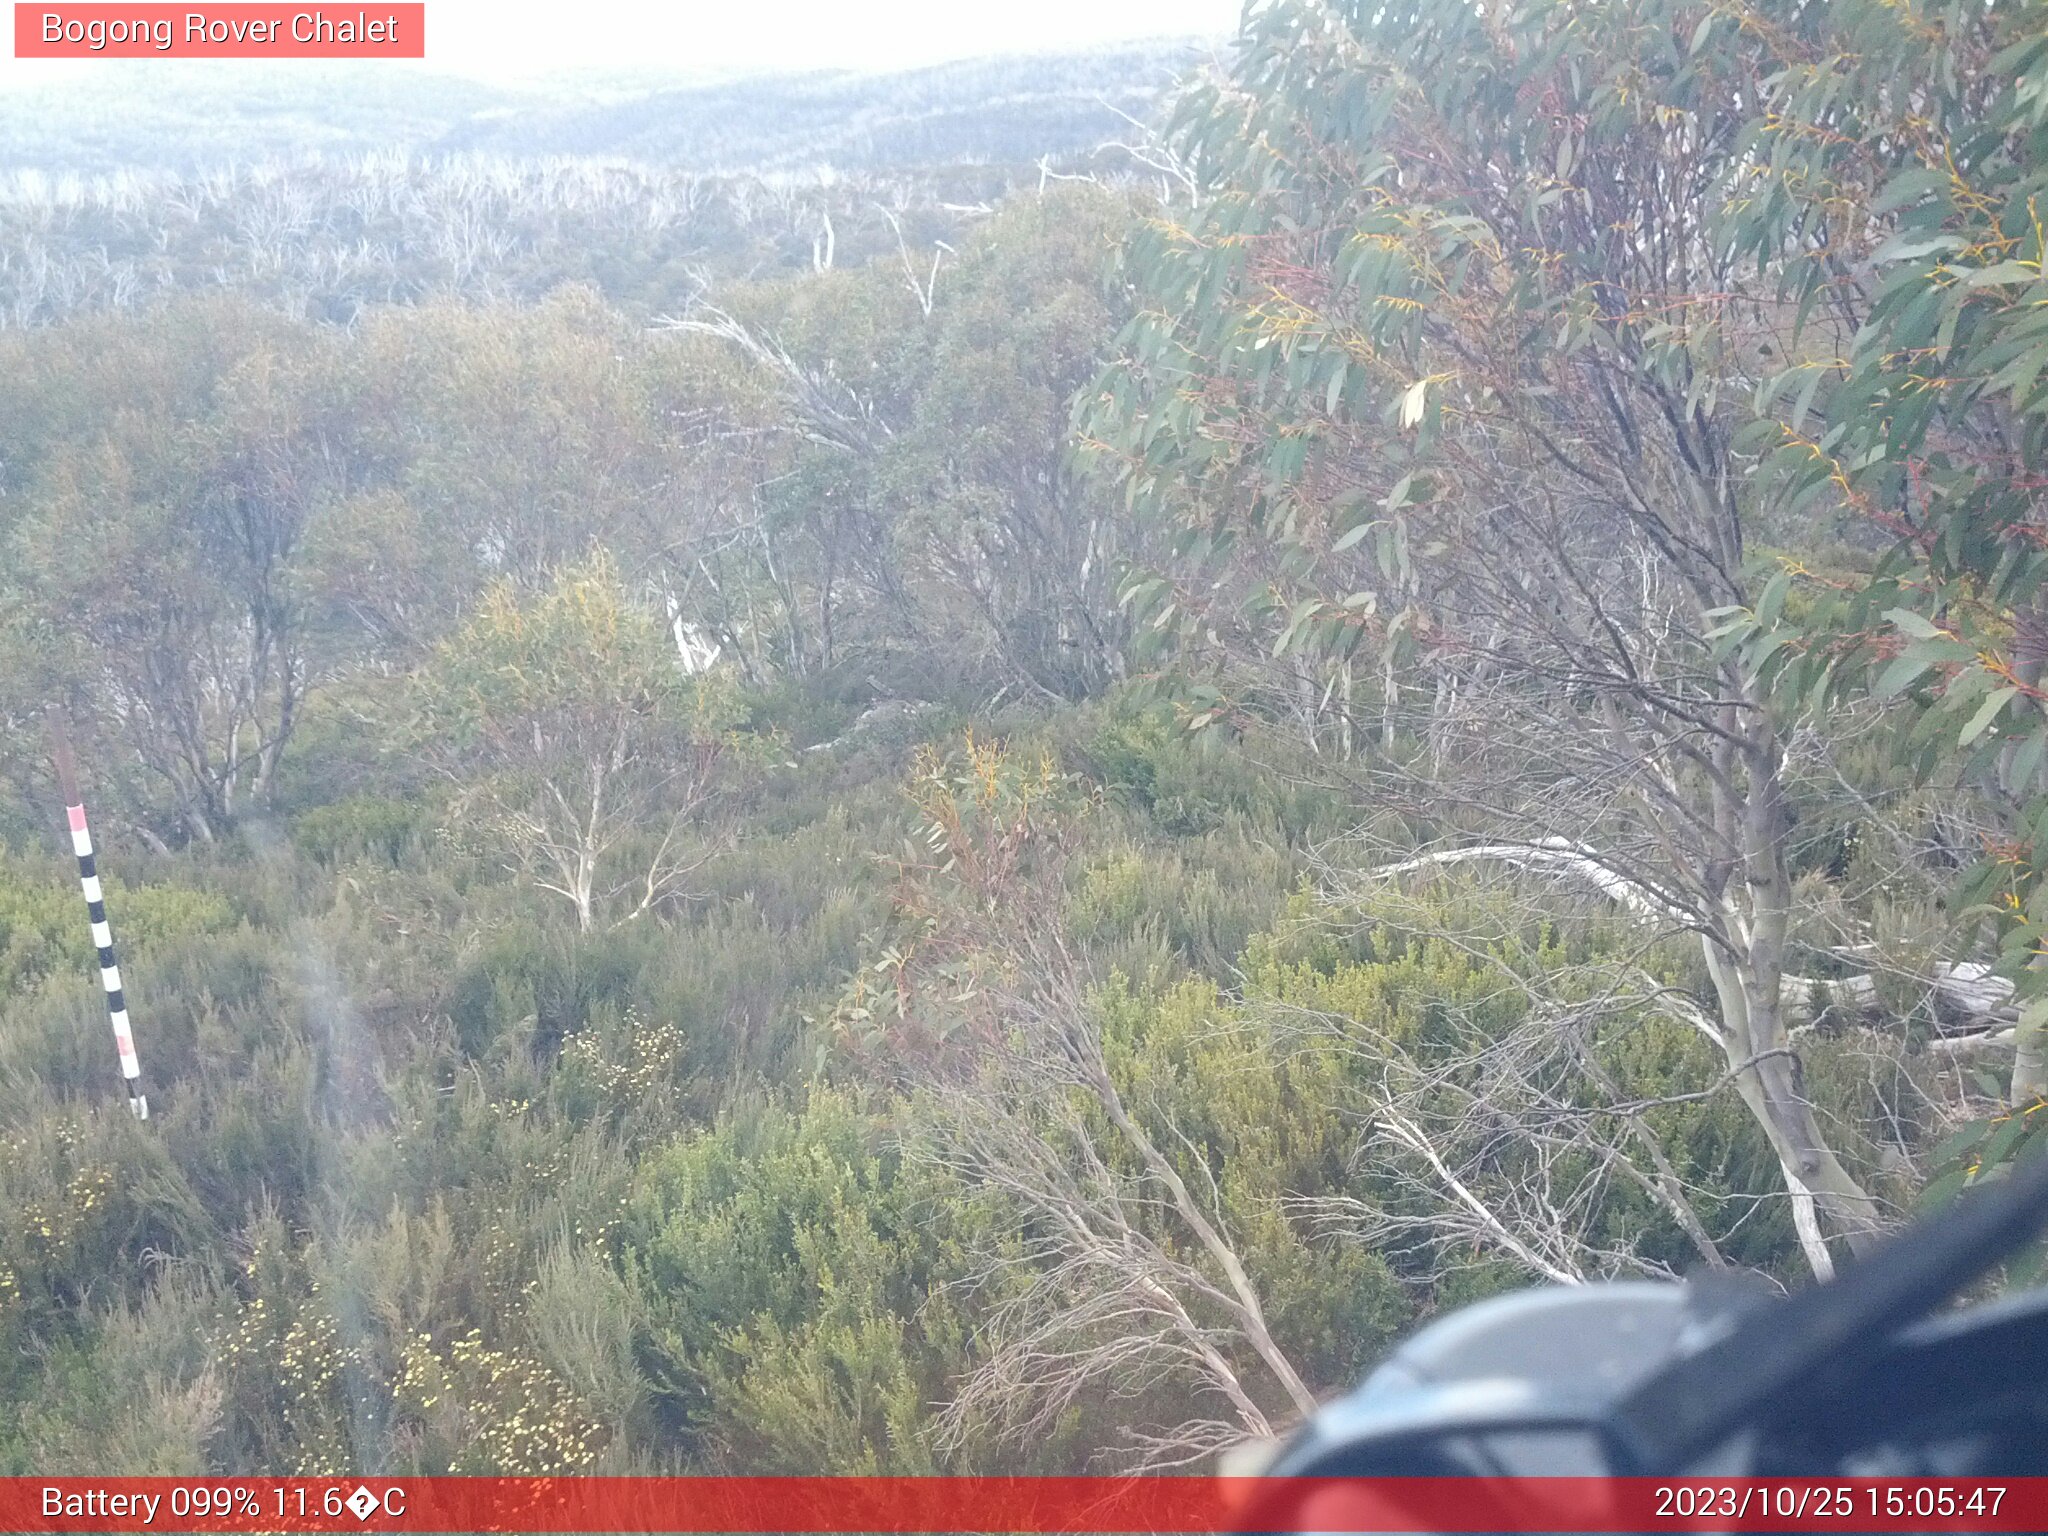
(1020, 1504)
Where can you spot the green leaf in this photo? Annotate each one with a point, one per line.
(2003, 1140)
(1900, 675)
(1773, 599)
(1804, 402)
(2001, 273)
(1914, 625)
(1335, 390)
(1761, 655)
(1757, 436)
(1817, 696)
(1956, 1143)
(1907, 187)
(1986, 713)
(1943, 1190)
(1907, 248)
(2026, 763)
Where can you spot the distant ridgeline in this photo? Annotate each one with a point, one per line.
(378, 190)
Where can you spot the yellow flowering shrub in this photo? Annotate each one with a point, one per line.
(477, 1410)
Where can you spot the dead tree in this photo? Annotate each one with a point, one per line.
(1134, 1279)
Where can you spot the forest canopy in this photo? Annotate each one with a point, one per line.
(865, 829)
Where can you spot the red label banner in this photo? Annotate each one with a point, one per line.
(1194, 1506)
(377, 31)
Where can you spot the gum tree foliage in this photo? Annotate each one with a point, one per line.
(577, 737)
(990, 505)
(1895, 179)
(913, 497)
(1440, 390)
(156, 549)
(504, 443)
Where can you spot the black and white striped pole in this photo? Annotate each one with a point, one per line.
(96, 909)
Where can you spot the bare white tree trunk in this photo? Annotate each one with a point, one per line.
(1133, 1276)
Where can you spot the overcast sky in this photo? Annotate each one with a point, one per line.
(499, 38)
(512, 39)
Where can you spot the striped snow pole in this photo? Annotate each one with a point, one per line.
(102, 934)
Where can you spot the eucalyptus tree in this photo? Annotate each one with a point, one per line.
(1895, 179)
(911, 455)
(157, 557)
(1440, 386)
(570, 732)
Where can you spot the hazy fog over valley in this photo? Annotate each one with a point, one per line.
(187, 117)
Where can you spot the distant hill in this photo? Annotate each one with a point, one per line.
(196, 117)
(993, 110)
(1007, 110)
